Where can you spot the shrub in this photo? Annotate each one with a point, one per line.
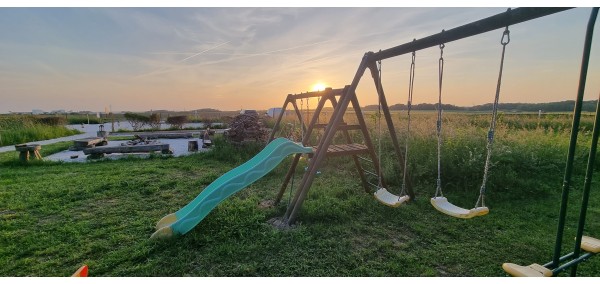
(177, 121)
(137, 121)
(154, 121)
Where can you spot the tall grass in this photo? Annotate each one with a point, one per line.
(79, 119)
(23, 129)
(525, 146)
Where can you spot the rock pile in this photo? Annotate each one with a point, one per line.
(246, 127)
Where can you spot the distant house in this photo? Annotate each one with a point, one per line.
(273, 112)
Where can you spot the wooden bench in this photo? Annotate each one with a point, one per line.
(100, 151)
(25, 151)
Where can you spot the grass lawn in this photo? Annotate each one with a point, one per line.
(55, 217)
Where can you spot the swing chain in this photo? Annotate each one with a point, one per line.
(409, 107)
(380, 185)
(490, 138)
(438, 191)
(301, 120)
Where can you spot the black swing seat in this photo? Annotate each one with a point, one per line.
(389, 199)
(443, 205)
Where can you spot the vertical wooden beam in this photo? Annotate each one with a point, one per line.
(287, 178)
(279, 117)
(299, 114)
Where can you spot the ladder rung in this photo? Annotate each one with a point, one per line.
(371, 173)
(340, 126)
(373, 184)
(365, 159)
(344, 149)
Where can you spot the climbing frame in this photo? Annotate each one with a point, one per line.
(349, 148)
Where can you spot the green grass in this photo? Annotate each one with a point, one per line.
(54, 217)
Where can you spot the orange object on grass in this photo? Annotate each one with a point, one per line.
(81, 272)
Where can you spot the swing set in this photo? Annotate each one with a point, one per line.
(342, 98)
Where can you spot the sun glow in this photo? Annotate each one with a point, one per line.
(318, 87)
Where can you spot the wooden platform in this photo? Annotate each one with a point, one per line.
(89, 142)
(171, 135)
(345, 149)
(127, 149)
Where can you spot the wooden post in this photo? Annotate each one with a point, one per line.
(193, 146)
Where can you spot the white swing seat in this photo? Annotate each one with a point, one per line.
(534, 270)
(392, 200)
(442, 205)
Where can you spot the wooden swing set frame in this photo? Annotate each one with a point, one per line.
(584, 248)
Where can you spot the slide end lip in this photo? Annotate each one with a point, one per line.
(162, 233)
(166, 221)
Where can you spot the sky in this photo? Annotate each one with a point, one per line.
(138, 59)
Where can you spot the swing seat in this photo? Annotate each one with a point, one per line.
(386, 198)
(534, 270)
(590, 244)
(442, 205)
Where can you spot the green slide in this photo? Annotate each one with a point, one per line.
(189, 216)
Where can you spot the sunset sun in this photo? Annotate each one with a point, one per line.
(318, 87)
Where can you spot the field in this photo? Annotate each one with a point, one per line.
(55, 217)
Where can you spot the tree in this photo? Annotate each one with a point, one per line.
(154, 121)
(137, 121)
(177, 121)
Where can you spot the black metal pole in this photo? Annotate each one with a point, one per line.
(586, 188)
(574, 131)
(510, 17)
(591, 162)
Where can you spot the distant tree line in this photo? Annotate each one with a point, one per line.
(564, 106)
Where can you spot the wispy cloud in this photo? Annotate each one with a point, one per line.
(175, 67)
